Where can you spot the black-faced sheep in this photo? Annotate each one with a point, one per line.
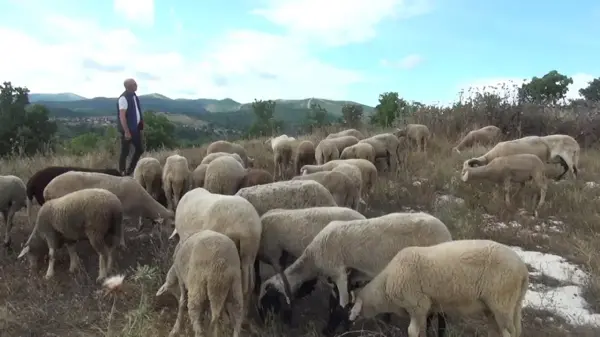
(225, 146)
(487, 135)
(305, 155)
(12, 199)
(417, 133)
(94, 214)
(176, 178)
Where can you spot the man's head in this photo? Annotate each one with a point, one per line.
(130, 85)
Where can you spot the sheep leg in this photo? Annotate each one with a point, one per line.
(504, 322)
(235, 308)
(341, 282)
(257, 277)
(418, 317)
(196, 308)
(180, 308)
(217, 295)
(168, 194)
(543, 189)
(507, 191)
(51, 262)
(73, 257)
(8, 219)
(100, 247)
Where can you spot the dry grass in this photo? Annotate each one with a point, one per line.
(73, 306)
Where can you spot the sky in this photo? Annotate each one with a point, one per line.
(426, 50)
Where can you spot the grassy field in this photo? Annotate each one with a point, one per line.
(569, 226)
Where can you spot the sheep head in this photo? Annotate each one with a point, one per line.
(270, 298)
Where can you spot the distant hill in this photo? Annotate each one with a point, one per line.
(61, 97)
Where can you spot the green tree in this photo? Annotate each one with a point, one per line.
(550, 88)
(265, 123)
(24, 129)
(592, 91)
(390, 106)
(84, 143)
(158, 131)
(315, 116)
(352, 114)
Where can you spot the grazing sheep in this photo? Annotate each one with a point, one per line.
(199, 175)
(343, 142)
(176, 179)
(349, 132)
(225, 146)
(224, 175)
(386, 146)
(565, 150)
(230, 215)
(94, 214)
(516, 168)
(148, 173)
(283, 149)
(326, 151)
(39, 180)
(290, 194)
(210, 157)
(359, 151)
(487, 135)
(463, 276)
(287, 232)
(354, 173)
(12, 199)
(530, 144)
(137, 203)
(417, 133)
(367, 168)
(255, 177)
(334, 250)
(343, 189)
(206, 268)
(305, 155)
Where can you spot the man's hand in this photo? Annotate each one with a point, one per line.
(127, 134)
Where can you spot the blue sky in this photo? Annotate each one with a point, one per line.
(427, 50)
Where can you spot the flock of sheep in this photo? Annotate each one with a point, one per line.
(303, 220)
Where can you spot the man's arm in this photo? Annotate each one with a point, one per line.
(123, 114)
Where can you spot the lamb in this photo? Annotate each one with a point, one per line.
(486, 135)
(305, 155)
(283, 148)
(176, 179)
(344, 190)
(349, 132)
(209, 158)
(12, 199)
(462, 276)
(367, 168)
(224, 175)
(199, 175)
(565, 150)
(386, 146)
(148, 173)
(137, 203)
(94, 214)
(290, 194)
(334, 250)
(38, 182)
(287, 232)
(206, 267)
(255, 177)
(359, 151)
(531, 144)
(518, 168)
(230, 215)
(225, 146)
(417, 133)
(326, 151)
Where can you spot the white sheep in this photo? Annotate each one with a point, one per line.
(13, 197)
(359, 151)
(326, 151)
(233, 216)
(148, 173)
(516, 168)
(305, 155)
(354, 173)
(176, 179)
(530, 144)
(206, 268)
(386, 146)
(365, 246)
(290, 194)
(199, 175)
(224, 175)
(348, 132)
(225, 146)
(345, 190)
(283, 149)
(343, 142)
(212, 156)
(487, 135)
(463, 276)
(367, 169)
(137, 203)
(565, 150)
(94, 214)
(417, 133)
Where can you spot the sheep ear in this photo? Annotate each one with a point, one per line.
(161, 290)
(173, 234)
(23, 252)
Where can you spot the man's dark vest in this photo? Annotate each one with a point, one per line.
(131, 114)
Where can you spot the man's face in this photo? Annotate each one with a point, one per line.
(134, 86)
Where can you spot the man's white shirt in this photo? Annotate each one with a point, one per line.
(123, 106)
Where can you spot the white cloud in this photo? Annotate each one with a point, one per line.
(338, 22)
(408, 62)
(137, 11)
(242, 65)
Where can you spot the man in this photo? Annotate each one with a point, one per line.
(130, 123)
